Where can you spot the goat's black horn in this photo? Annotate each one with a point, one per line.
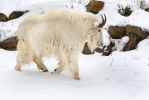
(103, 21)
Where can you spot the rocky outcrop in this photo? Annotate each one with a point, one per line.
(135, 33)
(94, 6)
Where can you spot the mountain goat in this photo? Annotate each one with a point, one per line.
(61, 32)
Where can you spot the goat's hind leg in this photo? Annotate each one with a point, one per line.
(18, 65)
(24, 54)
(22, 58)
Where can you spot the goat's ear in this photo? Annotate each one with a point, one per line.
(96, 24)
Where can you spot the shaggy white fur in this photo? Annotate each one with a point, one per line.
(60, 32)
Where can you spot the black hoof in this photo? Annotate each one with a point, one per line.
(55, 70)
(45, 70)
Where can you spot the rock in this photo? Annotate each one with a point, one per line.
(16, 14)
(109, 50)
(136, 34)
(9, 44)
(145, 33)
(125, 12)
(86, 50)
(3, 17)
(117, 32)
(106, 53)
(99, 50)
(147, 9)
(134, 29)
(94, 6)
(131, 45)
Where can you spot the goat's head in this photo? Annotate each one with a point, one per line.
(94, 37)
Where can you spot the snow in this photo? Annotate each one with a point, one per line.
(125, 39)
(120, 76)
(106, 38)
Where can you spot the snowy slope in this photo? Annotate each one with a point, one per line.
(120, 76)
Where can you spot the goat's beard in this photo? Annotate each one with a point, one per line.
(92, 46)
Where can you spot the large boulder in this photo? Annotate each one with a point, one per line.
(3, 17)
(117, 32)
(94, 6)
(135, 33)
(134, 29)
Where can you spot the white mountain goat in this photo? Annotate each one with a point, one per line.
(61, 32)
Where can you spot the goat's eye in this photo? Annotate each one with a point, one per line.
(98, 30)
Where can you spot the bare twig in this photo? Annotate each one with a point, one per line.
(112, 61)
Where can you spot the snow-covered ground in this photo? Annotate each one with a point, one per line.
(120, 76)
